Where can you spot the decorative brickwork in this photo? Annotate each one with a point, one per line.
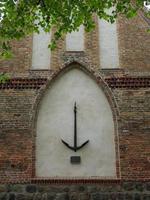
(37, 83)
(22, 83)
(128, 82)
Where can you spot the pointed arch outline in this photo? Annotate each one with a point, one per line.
(97, 77)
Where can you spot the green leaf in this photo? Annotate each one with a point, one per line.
(24, 17)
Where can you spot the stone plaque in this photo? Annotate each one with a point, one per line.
(75, 159)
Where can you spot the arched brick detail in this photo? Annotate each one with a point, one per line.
(96, 76)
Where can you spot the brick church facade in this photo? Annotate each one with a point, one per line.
(126, 86)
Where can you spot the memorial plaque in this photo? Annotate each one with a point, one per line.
(75, 159)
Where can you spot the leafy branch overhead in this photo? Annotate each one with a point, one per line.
(19, 18)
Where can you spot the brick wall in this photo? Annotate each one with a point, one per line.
(134, 44)
(22, 54)
(131, 92)
(16, 139)
(134, 132)
(18, 101)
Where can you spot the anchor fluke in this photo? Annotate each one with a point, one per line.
(70, 147)
(82, 145)
(74, 148)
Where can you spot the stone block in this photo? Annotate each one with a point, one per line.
(84, 196)
(11, 196)
(31, 188)
(17, 188)
(128, 196)
(128, 186)
(3, 196)
(148, 186)
(62, 196)
(137, 196)
(146, 197)
(95, 196)
(2, 188)
(21, 197)
(113, 196)
(81, 188)
(120, 196)
(38, 196)
(51, 196)
(74, 196)
(139, 187)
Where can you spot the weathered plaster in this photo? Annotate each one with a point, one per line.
(108, 44)
(41, 54)
(75, 40)
(55, 122)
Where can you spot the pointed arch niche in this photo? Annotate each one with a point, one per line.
(55, 121)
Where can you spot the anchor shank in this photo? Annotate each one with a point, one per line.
(75, 126)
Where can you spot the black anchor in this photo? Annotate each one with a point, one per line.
(75, 147)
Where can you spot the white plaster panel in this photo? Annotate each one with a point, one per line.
(94, 122)
(108, 44)
(75, 40)
(40, 52)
